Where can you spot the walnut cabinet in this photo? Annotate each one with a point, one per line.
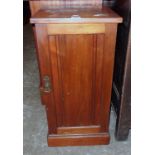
(76, 49)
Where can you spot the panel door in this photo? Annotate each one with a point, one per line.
(77, 67)
(80, 69)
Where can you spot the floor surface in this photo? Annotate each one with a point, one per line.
(35, 123)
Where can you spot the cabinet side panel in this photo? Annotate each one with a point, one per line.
(43, 57)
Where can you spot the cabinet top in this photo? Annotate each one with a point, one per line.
(76, 15)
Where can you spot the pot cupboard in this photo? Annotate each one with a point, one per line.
(75, 42)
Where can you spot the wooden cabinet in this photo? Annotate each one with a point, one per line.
(76, 49)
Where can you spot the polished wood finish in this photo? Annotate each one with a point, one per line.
(71, 15)
(75, 28)
(78, 130)
(37, 5)
(78, 60)
(74, 140)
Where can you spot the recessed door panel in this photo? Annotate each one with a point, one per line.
(76, 66)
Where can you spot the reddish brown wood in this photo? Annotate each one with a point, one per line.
(44, 62)
(80, 69)
(80, 15)
(36, 5)
(78, 130)
(56, 29)
(74, 140)
(76, 78)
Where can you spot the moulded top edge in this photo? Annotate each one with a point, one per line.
(76, 15)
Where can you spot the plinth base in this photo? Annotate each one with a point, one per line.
(78, 139)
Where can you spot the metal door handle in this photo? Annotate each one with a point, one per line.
(46, 84)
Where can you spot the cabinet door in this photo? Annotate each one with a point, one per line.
(80, 70)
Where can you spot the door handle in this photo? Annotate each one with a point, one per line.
(46, 84)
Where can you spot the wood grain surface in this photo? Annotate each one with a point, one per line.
(79, 15)
(76, 49)
(36, 5)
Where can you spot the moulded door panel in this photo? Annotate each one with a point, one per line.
(77, 67)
